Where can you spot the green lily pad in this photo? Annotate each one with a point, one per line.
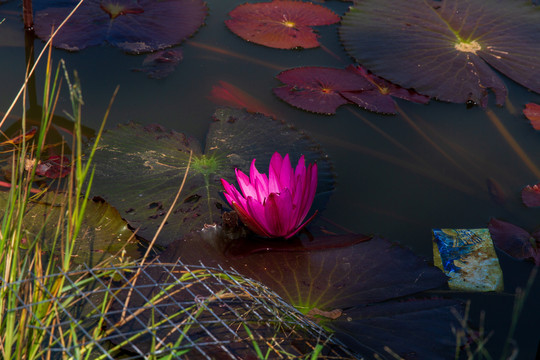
(102, 236)
(447, 49)
(139, 169)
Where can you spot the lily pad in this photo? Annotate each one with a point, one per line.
(102, 236)
(318, 89)
(347, 286)
(532, 112)
(530, 195)
(54, 167)
(404, 327)
(134, 26)
(281, 24)
(323, 90)
(447, 49)
(515, 241)
(335, 277)
(139, 169)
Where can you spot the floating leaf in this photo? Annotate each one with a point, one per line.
(530, 195)
(102, 236)
(337, 277)
(134, 26)
(204, 313)
(54, 167)
(319, 89)
(515, 241)
(20, 138)
(161, 64)
(281, 24)
(380, 98)
(139, 169)
(532, 112)
(315, 276)
(402, 327)
(323, 90)
(444, 49)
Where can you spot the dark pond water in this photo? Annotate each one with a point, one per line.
(397, 176)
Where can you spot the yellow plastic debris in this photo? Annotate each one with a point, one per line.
(468, 258)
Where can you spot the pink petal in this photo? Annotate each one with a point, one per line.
(272, 212)
(273, 173)
(286, 174)
(245, 184)
(249, 221)
(279, 210)
(231, 194)
(259, 182)
(256, 210)
(309, 190)
(291, 234)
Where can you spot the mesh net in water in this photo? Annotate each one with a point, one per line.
(167, 311)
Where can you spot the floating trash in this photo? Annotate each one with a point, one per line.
(468, 258)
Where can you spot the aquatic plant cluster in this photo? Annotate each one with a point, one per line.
(367, 291)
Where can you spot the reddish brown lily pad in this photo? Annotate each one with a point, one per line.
(531, 195)
(379, 99)
(319, 89)
(54, 167)
(323, 90)
(134, 26)
(532, 112)
(280, 24)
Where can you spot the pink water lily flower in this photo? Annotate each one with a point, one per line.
(274, 206)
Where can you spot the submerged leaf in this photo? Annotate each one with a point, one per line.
(161, 64)
(139, 169)
(134, 26)
(532, 112)
(444, 49)
(281, 24)
(226, 94)
(515, 241)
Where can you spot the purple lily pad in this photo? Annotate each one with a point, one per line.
(515, 241)
(379, 99)
(318, 89)
(323, 90)
(134, 26)
(530, 195)
(446, 49)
